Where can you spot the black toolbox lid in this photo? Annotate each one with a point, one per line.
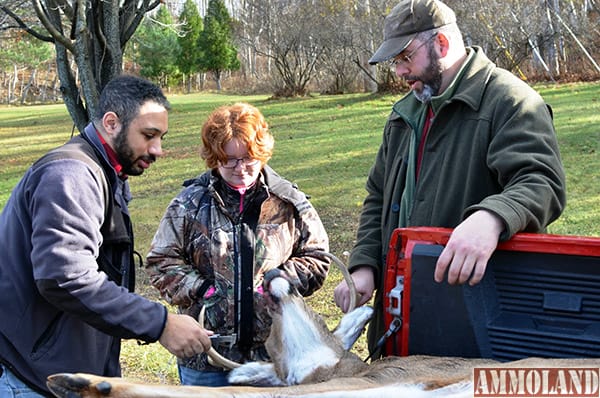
(537, 300)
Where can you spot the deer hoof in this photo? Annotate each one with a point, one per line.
(68, 385)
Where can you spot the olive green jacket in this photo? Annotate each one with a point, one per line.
(491, 146)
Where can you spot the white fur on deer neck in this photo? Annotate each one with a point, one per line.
(302, 343)
(305, 347)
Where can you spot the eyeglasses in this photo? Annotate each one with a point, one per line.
(246, 161)
(406, 59)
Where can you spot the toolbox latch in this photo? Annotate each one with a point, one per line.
(395, 298)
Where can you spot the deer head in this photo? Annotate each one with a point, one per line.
(301, 347)
(349, 329)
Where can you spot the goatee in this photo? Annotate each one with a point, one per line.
(431, 79)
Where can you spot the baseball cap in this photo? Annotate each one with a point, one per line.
(406, 19)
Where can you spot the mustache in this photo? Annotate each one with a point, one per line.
(148, 158)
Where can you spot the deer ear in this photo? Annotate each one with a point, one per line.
(352, 325)
(258, 374)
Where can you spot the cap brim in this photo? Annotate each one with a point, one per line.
(390, 48)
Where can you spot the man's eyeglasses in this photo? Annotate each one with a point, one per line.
(406, 59)
(246, 161)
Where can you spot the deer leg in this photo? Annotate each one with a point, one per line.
(73, 385)
(352, 325)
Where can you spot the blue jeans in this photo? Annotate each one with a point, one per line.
(191, 377)
(12, 387)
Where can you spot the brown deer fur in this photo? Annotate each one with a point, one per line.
(311, 361)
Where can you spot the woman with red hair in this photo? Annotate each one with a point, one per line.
(224, 231)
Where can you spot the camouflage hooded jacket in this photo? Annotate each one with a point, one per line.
(209, 249)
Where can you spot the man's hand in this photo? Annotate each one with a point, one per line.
(364, 280)
(184, 337)
(469, 248)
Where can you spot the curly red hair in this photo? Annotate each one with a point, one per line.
(241, 121)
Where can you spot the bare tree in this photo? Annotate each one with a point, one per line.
(92, 34)
(367, 22)
(351, 32)
(294, 46)
(288, 37)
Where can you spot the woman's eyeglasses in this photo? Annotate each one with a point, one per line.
(246, 161)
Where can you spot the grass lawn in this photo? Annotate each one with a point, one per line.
(325, 144)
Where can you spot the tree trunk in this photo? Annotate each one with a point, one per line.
(552, 56)
(30, 83)
(92, 34)
(13, 86)
(218, 79)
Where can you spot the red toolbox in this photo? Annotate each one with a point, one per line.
(540, 296)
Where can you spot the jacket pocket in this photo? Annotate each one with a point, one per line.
(48, 337)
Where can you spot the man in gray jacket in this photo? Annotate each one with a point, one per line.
(66, 244)
(471, 147)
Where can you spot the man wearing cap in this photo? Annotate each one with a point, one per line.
(471, 147)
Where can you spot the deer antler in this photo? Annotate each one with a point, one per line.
(217, 359)
(214, 357)
(346, 274)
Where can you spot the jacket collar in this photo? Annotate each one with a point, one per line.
(91, 136)
(471, 87)
(121, 187)
(269, 180)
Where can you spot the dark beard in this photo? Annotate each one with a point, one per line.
(431, 78)
(126, 157)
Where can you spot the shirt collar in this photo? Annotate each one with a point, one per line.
(112, 157)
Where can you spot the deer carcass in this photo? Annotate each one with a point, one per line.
(310, 361)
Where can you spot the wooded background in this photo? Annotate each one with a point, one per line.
(283, 47)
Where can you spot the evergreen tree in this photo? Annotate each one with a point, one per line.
(159, 48)
(189, 56)
(216, 42)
